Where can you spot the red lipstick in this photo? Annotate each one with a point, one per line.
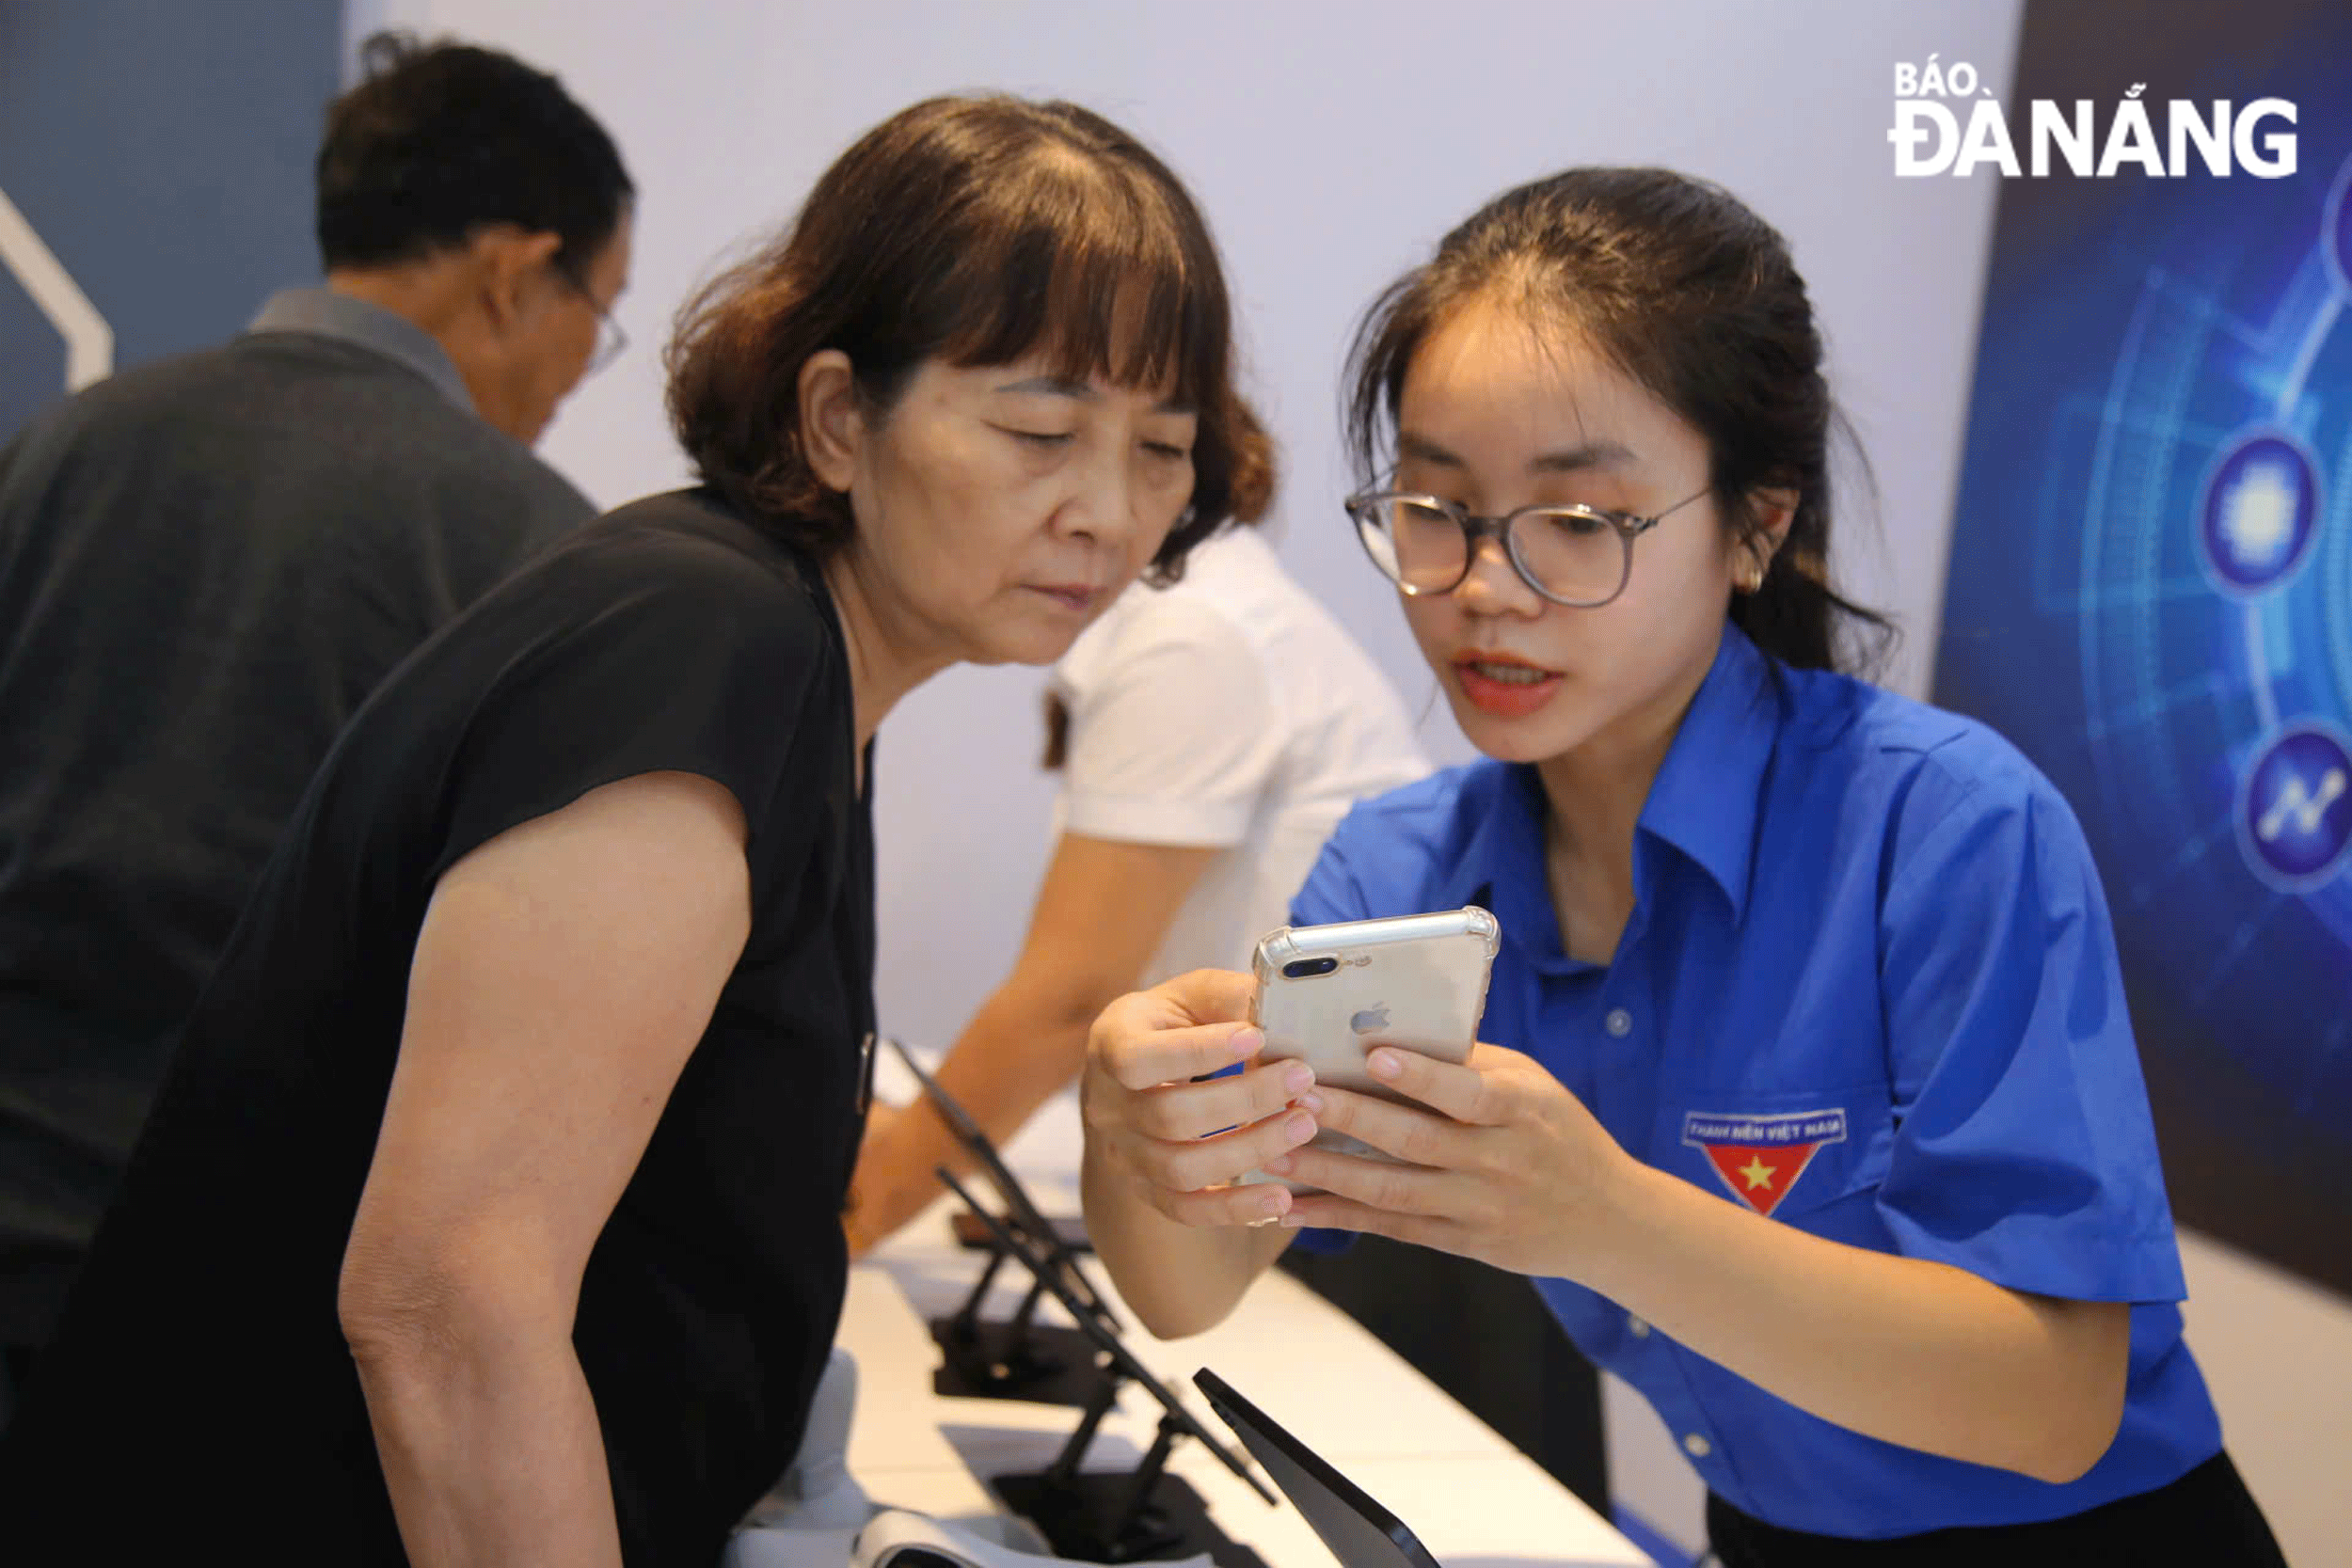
(1505, 685)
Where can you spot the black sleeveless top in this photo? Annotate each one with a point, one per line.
(200, 1368)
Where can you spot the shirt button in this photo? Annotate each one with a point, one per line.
(1697, 1447)
(1641, 1329)
(1619, 1023)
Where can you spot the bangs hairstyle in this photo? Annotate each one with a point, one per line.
(974, 231)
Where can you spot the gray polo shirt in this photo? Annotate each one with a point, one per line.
(206, 565)
(324, 314)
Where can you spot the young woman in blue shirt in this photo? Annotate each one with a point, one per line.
(1814, 1109)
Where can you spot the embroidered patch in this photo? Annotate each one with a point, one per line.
(1759, 1158)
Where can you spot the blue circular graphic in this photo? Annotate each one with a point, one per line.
(2258, 513)
(2295, 814)
(2335, 238)
(2153, 592)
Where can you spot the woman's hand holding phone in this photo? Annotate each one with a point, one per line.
(1489, 1157)
(1326, 994)
(1501, 1163)
(1181, 1137)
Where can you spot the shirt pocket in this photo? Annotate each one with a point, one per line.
(1810, 1157)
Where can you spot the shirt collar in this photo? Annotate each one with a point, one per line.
(1500, 866)
(1705, 802)
(1708, 794)
(328, 314)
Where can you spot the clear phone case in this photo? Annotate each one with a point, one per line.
(1326, 994)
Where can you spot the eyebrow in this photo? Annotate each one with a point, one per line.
(1565, 460)
(1069, 387)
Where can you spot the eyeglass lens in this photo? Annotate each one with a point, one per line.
(1573, 556)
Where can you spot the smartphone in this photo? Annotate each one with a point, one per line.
(1327, 995)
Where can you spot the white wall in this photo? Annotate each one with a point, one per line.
(2277, 1352)
(1331, 144)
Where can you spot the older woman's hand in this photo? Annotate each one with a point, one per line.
(1180, 1136)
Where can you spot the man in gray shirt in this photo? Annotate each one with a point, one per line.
(207, 564)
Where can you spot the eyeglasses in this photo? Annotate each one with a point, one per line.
(1577, 556)
(611, 340)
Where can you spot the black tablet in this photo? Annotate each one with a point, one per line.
(1360, 1533)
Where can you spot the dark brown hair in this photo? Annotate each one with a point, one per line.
(439, 139)
(1696, 300)
(974, 231)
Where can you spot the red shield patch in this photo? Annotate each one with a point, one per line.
(1760, 1157)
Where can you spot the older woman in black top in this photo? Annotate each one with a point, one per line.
(491, 1211)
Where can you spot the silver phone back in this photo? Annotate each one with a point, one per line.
(1417, 981)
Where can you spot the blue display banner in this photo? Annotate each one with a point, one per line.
(154, 178)
(2150, 581)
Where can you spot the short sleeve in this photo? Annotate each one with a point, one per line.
(1332, 890)
(1176, 738)
(707, 670)
(2024, 1151)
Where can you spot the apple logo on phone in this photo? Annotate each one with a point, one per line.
(1371, 1020)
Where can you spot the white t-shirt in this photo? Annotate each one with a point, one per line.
(1228, 710)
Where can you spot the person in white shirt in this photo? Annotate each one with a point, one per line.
(1210, 734)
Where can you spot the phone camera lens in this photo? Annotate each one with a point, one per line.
(1300, 969)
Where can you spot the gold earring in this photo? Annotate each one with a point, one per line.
(1752, 575)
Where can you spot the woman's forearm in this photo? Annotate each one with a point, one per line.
(1103, 911)
(1015, 1054)
(1020, 1049)
(1901, 1348)
(490, 1445)
(1178, 1278)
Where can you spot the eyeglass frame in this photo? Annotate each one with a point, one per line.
(606, 351)
(1476, 528)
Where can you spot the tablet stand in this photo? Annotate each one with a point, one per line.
(1018, 1358)
(1115, 1518)
(1120, 1516)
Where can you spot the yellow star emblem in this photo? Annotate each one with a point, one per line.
(1758, 1172)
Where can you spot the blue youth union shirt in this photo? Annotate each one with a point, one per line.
(1869, 988)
